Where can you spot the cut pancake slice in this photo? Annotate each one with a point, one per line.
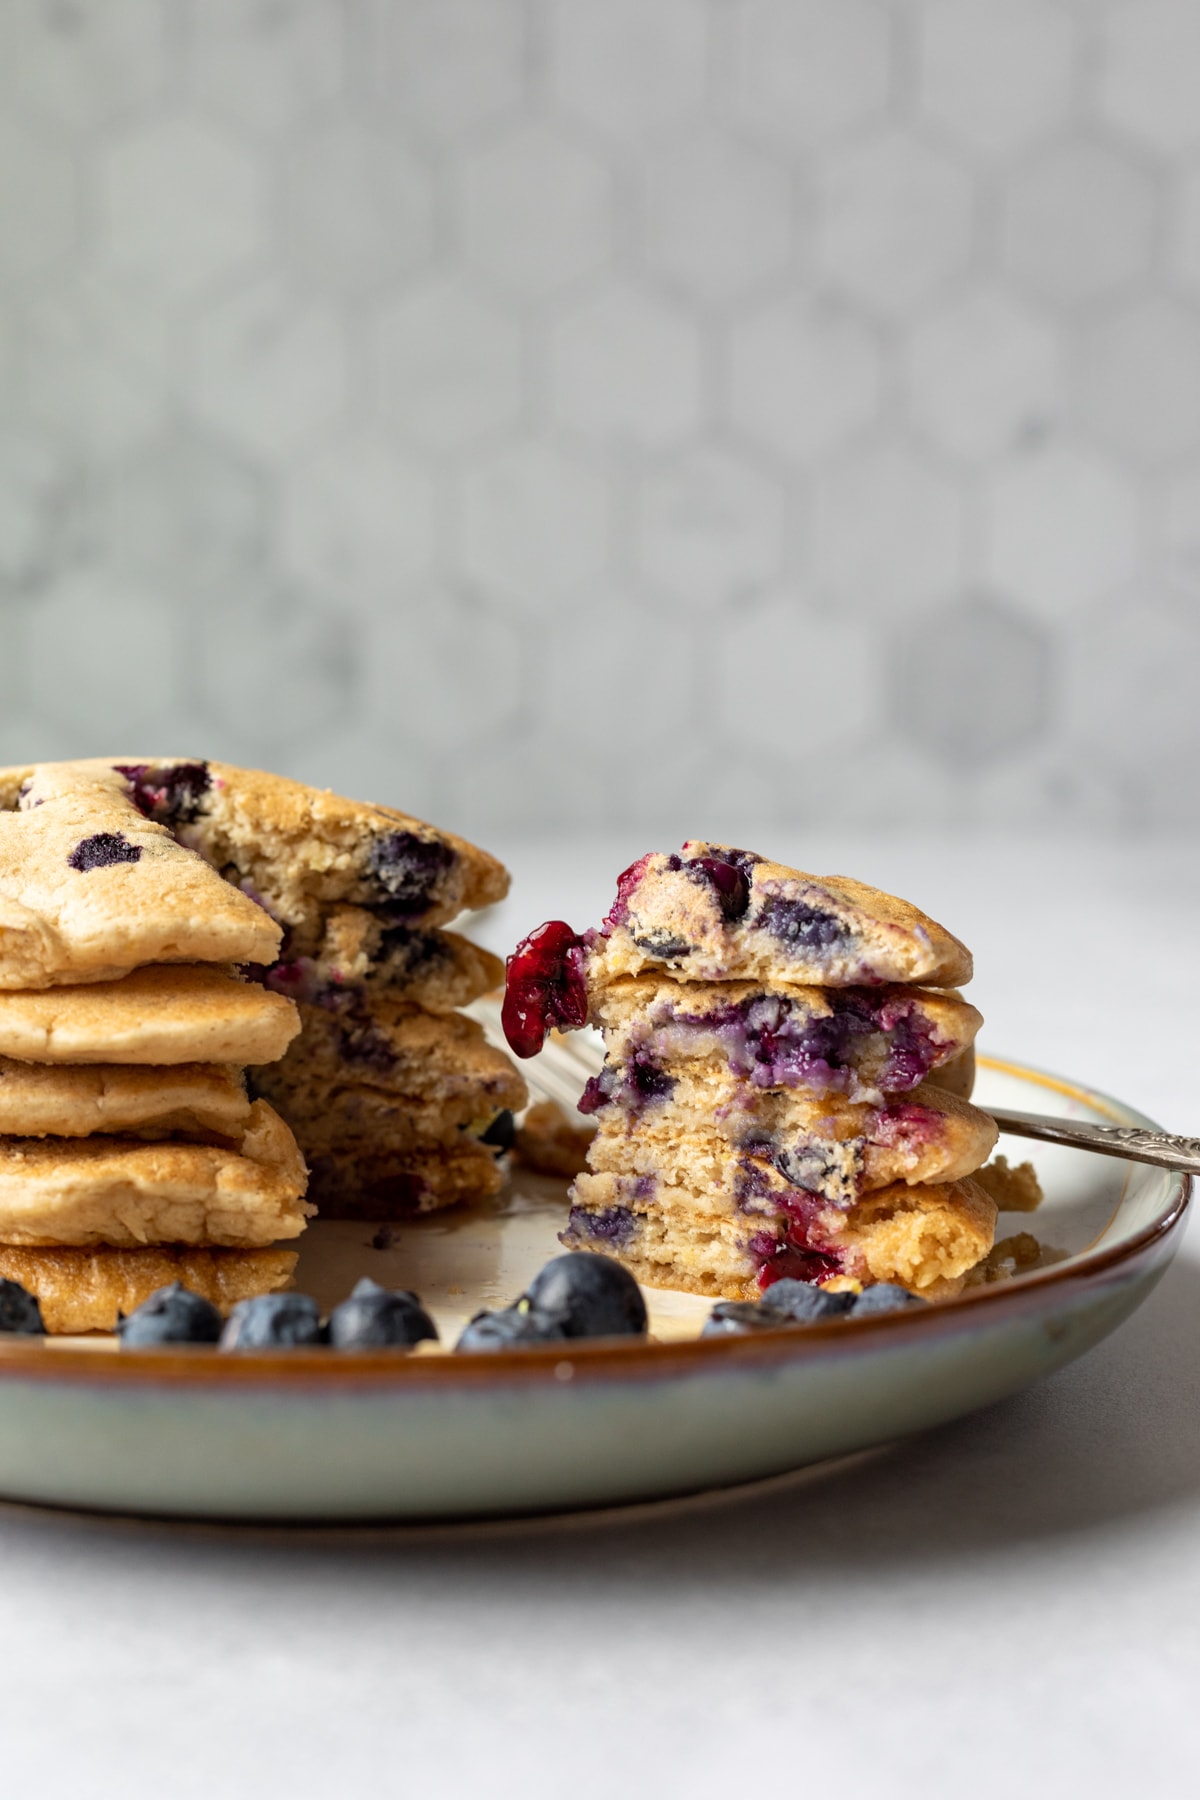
(376, 1183)
(377, 1081)
(123, 1192)
(191, 1013)
(158, 1100)
(712, 913)
(438, 970)
(858, 1043)
(925, 1238)
(90, 888)
(301, 849)
(88, 1290)
(780, 1143)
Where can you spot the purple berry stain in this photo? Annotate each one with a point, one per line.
(544, 987)
(103, 851)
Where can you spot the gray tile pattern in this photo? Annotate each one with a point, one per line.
(660, 411)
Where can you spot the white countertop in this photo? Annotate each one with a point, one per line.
(1008, 1605)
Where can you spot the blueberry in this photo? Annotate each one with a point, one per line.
(407, 869)
(803, 1303)
(512, 1328)
(664, 944)
(102, 851)
(738, 1318)
(800, 925)
(885, 1296)
(728, 881)
(377, 1318)
(170, 795)
(590, 1295)
(172, 1315)
(501, 1133)
(20, 1313)
(272, 1320)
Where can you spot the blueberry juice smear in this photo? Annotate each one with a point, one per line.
(544, 987)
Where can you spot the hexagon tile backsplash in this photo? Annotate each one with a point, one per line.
(548, 413)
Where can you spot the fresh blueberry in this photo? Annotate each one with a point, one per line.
(172, 1315)
(885, 1296)
(803, 1303)
(512, 1328)
(102, 851)
(271, 1321)
(377, 1318)
(501, 1133)
(738, 1318)
(590, 1295)
(20, 1313)
(408, 869)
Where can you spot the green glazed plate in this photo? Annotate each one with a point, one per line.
(319, 1436)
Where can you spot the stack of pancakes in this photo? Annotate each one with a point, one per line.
(784, 1088)
(169, 931)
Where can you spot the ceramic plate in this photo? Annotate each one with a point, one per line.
(315, 1435)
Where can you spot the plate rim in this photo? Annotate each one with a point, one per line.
(198, 1366)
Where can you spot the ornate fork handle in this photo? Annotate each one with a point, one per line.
(1133, 1142)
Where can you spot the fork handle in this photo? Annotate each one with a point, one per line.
(1136, 1143)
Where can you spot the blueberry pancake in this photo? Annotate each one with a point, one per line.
(858, 1043)
(90, 887)
(924, 1238)
(300, 850)
(388, 1184)
(99, 870)
(386, 1098)
(770, 1143)
(88, 1290)
(439, 970)
(168, 1014)
(156, 1100)
(126, 1191)
(712, 913)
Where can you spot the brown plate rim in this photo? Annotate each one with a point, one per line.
(37, 1359)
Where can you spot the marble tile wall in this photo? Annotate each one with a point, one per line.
(610, 412)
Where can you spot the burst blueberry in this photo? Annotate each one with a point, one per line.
(171, 1315)
(103, 851)
(407, 869)
(379, 1318)
(272, 1321)
(544, 987)
(590, 1295)
(799, 925)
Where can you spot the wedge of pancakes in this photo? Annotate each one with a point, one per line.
(785, 1091)
(208, 975)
